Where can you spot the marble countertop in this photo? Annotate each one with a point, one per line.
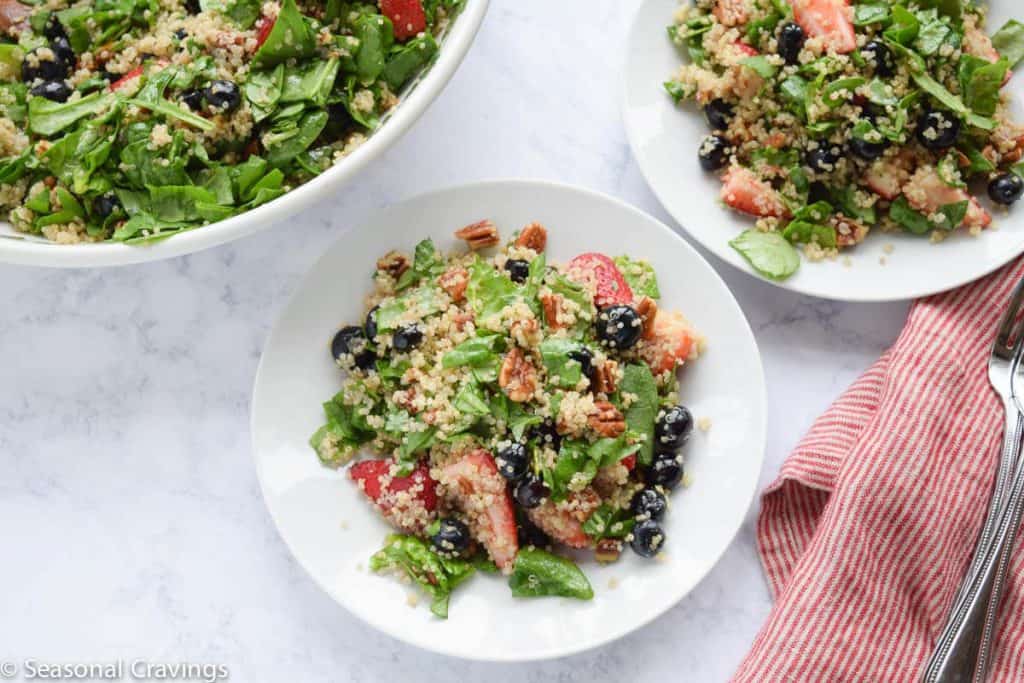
(130, 516)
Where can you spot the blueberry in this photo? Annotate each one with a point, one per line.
(879, 55)
(62, 48)
(673, 428)
(530, 492)
(193, 99)
(58, 91)
(53, 28)
(791, 42)
(105, 204)
(649, 504)
(181, 34)
(718, 113)
(371, 323)
(666, 470)
(585, 358)
(518, 270)
(647, 538)
(1006, 189)
(452, 538)
(50, 68)
(869, 151)
(937, 129)
(530, 535)
(407, 337)
(223, 96)
(546, 433)
(714, 153)
(513, 460)
(351, 341)
(819, 192)
(618, 327)
(823, 159)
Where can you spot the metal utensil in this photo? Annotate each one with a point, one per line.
(956, 652)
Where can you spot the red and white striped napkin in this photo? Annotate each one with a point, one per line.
(872, 522)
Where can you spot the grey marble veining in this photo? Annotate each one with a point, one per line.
(130, 515)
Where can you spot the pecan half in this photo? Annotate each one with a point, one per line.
(394, 263)
(454, 282)
(534, 236)
(608, 550)
(606, 420)
(647, 310)
(518, 377)
(552, 304)
(526, 332)
(605, 377)
(479, 235)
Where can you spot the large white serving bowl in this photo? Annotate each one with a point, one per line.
(18, 248)
(331, 529)
(886, 267)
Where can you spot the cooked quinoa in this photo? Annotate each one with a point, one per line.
(830, 119)
(133, 120)
(505, 405)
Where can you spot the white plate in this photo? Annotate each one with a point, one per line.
(18, 248)
(310, 504)
(665, 137)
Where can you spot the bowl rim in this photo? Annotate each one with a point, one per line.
(460, 36)
(761, 399)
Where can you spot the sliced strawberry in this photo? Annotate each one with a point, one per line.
(629, 462)
(474, 485)
(409, 502)
(121, 82)
(748, 50)
(744, 191)
(407, 16)
(263, 28)
(731, 12)
(563, 522)
(601, 277)
(885, 179)
(927, 193)
(827, 19)
(978, 44)
(672, 343)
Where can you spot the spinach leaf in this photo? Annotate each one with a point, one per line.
(489, 291)
(403, 63)
(311, 82)
(291, 38)
(437, 576)
(803, 232)
(563, 371)
(761, 66)
(414, 442)
(905, 26)
(475, 352)
(1009, 42)
(345, 431)
(871, 14)
(908, 218)
(470, 400)
(608, 522)
(981, 90)
(426, 264)
(263, 89)
(573, 470)
(639, 276)
(46, 117)
(243, 12)
(846, 202)
(768, 253)
(840, 91)
(638, 382)
(422, 300)
(537, 573)
(292, 137)
(933, 34)
(795, 93)
(151, 96)
(376, 36)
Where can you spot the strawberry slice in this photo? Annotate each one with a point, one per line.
(671, 344)
(601, 277)
(409, 503)
(135, 73)
(747, 50)
(474, 485)
(828, 19)
(563, 522)
(927, 193)
(407, 16)
(629, 462)
(731, 12)
(744, 191)
(885, 179)
(263, 28)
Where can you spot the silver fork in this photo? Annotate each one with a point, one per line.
(956, 652)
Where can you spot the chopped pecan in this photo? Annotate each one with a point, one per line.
(461, 318)
(479, 235)
(526, 332)
(394, 263)
(534, 236)
(517, 377)
(552, 304)
(406, 398)
(605, 376)
(454, 281)
(606, 420)
(608, 550)
(849, 232)
(647, 310)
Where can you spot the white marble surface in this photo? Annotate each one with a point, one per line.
(130, 516)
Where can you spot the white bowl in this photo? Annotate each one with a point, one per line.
(665, 137)
(416, 97)
(332, 531)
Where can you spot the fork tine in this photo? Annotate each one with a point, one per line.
(1009, 337)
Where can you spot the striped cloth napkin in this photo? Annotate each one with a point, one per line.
(872, 522)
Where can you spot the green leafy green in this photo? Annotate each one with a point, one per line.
(638, 384)
(345, 431)
(427, 263)
(437, 576)
(537, 573)
(47, 117)
(761, 66)
(908, 218)
(769, 253)
(402, 64)
(608, 521)
(639, 276)
(1009, 42)
(292, 37)
(803, 232)
(563, 371)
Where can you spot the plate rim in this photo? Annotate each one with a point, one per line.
(721, 249)
(455, 46)
(760, 401)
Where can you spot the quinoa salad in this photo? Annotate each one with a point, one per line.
(496, 408)
(829, 119)
(132, 120)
